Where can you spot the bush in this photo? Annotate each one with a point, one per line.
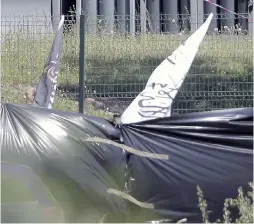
(243, 203)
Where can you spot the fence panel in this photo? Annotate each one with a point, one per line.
(117, 65)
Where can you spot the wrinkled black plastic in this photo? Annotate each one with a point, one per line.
(211, 149)
(76, 172)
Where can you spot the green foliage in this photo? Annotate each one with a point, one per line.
(243, 203)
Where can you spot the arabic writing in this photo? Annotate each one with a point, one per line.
(51, 82)
(156, 100)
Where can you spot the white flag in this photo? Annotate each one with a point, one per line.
(161, 89)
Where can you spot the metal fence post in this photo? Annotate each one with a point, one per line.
(82, 63)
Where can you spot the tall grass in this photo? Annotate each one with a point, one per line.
(243, 204)
(118, 64)
(118, 56)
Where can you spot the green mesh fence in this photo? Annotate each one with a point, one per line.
(117, 64)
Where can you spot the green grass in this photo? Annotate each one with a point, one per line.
(121, 58)
(113, 63)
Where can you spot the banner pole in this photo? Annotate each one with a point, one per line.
(82, 63)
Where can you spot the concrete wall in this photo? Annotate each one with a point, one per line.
(12, 8)
(25, 14)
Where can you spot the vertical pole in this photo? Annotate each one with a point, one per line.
(242, 10)
(1, 42)
(121, 14)
(82, 63)
(154, 15)
(143, 12)
(106, 9)
(132, 18)
(78, 10)
(194, 15)
(230, 18)
(170, 9)
(184, 9)
(89, 9)
(197, 14)
(250, 23)
(208, 8)
(56, 8)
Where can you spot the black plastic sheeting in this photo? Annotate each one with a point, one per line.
(211, 149)
(25, 185)
(77, 173)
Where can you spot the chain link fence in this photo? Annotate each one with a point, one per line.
(118, 65)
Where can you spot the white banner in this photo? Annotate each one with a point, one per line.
(161, 89)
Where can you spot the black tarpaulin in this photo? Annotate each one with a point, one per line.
(80, 162)
(77, 173)
(26, 198)
(211, 149)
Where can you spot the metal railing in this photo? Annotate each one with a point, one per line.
(117, 65)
